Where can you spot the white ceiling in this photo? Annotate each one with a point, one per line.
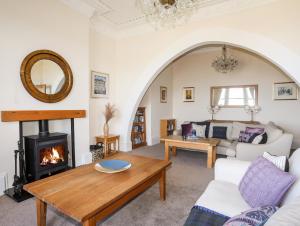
(117, 15)
(121, 12)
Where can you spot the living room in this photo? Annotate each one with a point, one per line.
(195, 71)
(116, 41)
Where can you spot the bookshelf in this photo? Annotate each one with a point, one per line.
(167, 127)
(138, 133)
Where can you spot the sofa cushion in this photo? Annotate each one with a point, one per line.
(237, 127)
(199, 130)
(264, 184)
(228, 131)
(231, 153)
(253, 217)
(225, 143)
(254, 130)
(219, 132)
(227, 147)
(281, 162)
(186, 129)
(203, 123)
(288, 215)
(273, 132)
(261, 139)
(214, 199)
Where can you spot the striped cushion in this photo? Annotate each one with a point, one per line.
(280, 161)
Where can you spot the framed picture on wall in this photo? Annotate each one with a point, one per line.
(100, 84)
(188, 94)
(163, 94)
(285, 91)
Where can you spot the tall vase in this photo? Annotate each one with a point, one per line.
(105, 129)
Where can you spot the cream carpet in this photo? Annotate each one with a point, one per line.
(186, 180)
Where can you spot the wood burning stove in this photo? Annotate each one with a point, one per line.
(45, 153)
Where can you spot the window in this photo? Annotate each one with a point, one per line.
(234, 96)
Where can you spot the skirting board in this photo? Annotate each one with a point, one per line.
(3, 182)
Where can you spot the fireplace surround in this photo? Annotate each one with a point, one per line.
(52, 145)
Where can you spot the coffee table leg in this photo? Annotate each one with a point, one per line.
(41, 212)
(214, 154)
(174, 150)
(162, 185)
(210, 157)
(90, 222)
(166, 150)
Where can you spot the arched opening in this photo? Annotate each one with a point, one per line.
(266, 57)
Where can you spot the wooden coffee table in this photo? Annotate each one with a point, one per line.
(207, 145)
(88, 196)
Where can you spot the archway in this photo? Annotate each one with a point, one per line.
(262, 46)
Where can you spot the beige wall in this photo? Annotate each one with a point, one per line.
(102, 59)
(195, 70)
(155, 110)
(27, 26)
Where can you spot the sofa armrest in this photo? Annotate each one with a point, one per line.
(249, 152)
(230, 170)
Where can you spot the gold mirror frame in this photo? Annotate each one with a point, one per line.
(27, 65)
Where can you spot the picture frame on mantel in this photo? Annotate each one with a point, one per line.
(163, 94)
(285, 91)
(99, 85)
(188, 94)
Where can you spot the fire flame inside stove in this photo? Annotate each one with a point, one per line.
(51, 156)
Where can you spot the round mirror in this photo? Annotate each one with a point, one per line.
(46, 76)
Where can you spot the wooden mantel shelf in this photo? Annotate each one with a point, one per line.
(15, 116)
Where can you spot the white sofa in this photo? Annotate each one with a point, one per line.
(222, 194)
(278, 143)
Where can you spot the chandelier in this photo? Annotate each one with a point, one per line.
(168, 13)
(224, 64)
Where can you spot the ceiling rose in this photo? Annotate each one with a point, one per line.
(224, 64)
(168, 13)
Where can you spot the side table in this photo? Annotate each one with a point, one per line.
(110, 143)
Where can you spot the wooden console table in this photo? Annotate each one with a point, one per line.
(111, 143)
(207, 145)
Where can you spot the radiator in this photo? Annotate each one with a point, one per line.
(3, 182)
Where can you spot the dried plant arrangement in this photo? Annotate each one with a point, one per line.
(109, 112)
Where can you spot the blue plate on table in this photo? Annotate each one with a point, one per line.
(114, 164)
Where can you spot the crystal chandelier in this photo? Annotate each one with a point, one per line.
(224, 64)
(168, 13)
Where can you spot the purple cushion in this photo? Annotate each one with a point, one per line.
(264, 184)
(253, 217)
(251, 133)
(247, 137)
(187, 129)
(254, 130)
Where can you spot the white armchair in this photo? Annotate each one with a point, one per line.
(249, 152)
(222, 194)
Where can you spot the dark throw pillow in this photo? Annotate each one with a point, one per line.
(219, 132)
(186, 129)
(264, 139)
(204, 123)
